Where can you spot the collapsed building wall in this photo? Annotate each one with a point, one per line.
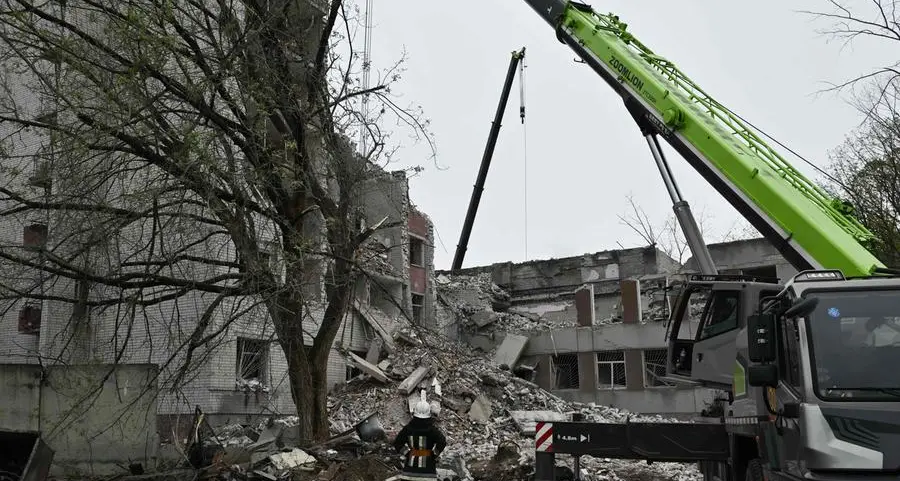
(616, 354)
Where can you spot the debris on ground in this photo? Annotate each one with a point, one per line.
(486, 411)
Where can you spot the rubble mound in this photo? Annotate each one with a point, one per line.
(480, 305)
(487, 413)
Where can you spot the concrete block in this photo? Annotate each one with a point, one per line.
(412, 381)
(510, 350)
(584, 305)
(631, 301)
(481, 411)
(483, 342)
(368, 368)
(370, 315)
(484, 318)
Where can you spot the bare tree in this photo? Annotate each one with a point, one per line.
(189, 160)
(864, 169)
(848, 22)
(669, 237)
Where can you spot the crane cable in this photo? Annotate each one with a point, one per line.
(524, 147)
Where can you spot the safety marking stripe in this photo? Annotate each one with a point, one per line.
(543, 437)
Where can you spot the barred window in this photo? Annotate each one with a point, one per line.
(655, 368)
(611, 369)
(565, 371)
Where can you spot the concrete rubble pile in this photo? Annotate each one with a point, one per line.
(487, 414)
(484, 410)
(374, 255)
(267, 452)
(483, 306)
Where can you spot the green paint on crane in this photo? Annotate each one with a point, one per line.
(823, 226)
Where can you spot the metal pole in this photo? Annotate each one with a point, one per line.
(544, 466)
(485, 163)
(682, 210)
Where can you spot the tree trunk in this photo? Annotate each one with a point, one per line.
(308, 380)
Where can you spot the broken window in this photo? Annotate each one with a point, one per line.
(40, 175)
(565, 371)
(80, 309)
(30, 318)
(34, 236)
(611, 369)
(418, 307)
(416, 252)
(252, 360)
(655, 368)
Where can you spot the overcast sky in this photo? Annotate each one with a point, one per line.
(763, 59)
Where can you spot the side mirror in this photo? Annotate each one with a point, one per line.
(761, 337)
(802, 307)
(762, 375)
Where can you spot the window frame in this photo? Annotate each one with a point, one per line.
(611, 365)
(715, 294)
(416, 259)
(264, 352)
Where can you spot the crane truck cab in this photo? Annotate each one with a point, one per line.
(807, 368)
(706, 319)
(825, 351)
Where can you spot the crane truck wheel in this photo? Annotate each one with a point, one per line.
(754, 471)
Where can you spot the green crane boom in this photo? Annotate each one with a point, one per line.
(809, 227)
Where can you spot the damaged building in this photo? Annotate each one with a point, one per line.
(246, 373)
(52, 348)
(590, 328)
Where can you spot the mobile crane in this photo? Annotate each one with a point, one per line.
(805, 363)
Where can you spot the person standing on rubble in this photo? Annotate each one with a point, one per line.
(424, 441)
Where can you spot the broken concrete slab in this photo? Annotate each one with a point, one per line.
(412, 381)
(480, 411)
(369, 315)
(293, 458)
(405, 337)
(525, 420)
(510, 350)
(368, 368)
(270, 435)
(484, 318)
(529, 363)
(486, 343)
